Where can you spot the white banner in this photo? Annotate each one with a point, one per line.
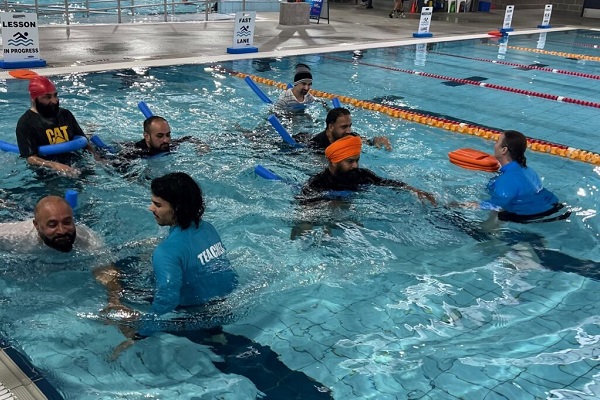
(508, 17)
(243, 30)
(425, 20)
(20, 37)
(547, 14)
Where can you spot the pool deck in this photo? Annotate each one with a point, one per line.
(89, 48)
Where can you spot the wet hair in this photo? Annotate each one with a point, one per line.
(183, 194)
(150, 120)
(516, 144)
(334, 114)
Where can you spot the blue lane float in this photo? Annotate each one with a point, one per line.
(336, 103)
(282, 132)
(145, 109)
(261, 95)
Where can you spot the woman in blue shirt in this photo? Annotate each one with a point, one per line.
(517, 193)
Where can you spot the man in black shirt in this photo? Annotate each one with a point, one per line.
(46, 123)
(338, 124)
(157, 140)
(344, 174)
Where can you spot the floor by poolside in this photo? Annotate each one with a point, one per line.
(88, 48)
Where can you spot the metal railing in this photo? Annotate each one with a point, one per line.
(118, 8)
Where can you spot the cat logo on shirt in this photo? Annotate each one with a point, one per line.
(58, 134)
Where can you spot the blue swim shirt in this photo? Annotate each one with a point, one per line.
(518, 190)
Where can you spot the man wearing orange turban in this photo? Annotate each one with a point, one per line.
(46, 123)
(343, 172)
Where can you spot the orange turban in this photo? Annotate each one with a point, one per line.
(348, 146)
(39, 86)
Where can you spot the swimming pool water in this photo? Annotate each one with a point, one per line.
(386, 297)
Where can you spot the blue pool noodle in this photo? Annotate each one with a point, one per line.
(336, 103)
(267, 174)
(8, 147)
(257, 90)
(52, 149)
(71, 198)
(145, 109)
(95, 139)
(281, 130)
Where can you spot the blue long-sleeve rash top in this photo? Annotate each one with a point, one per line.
(190, 268)
(518, 190)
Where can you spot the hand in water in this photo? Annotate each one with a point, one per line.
(66, 170)
(382, 141)
(426, 196)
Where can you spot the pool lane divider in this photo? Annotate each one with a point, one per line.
(560, 99)
(530, 67)
(551, 53)
(589, 45)
(542, 146)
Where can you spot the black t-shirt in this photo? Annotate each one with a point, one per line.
(34, 131)
(318, 142)
(326, 181)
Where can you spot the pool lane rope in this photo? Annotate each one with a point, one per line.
(530, 67)
(542, 146)
(548, 96)
(551, 53)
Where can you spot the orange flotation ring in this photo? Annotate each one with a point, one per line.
(22, 73)
(474, 159)
(495, 33)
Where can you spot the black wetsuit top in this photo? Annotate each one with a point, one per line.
(326, 181)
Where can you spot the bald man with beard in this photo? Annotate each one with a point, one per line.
(53, 227)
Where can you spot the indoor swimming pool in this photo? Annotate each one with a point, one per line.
(386, 297)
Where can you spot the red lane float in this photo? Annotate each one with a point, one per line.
(530, 67)
(474, 159)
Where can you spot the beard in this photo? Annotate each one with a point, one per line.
(350, 175)
(62, 243)
(47, 110)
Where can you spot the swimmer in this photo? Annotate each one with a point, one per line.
(44, 123)
(517, 193)
(298, 97)
(53, 228)
(157, 140)
(337, 125)
(343, 173)
(190, 266)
